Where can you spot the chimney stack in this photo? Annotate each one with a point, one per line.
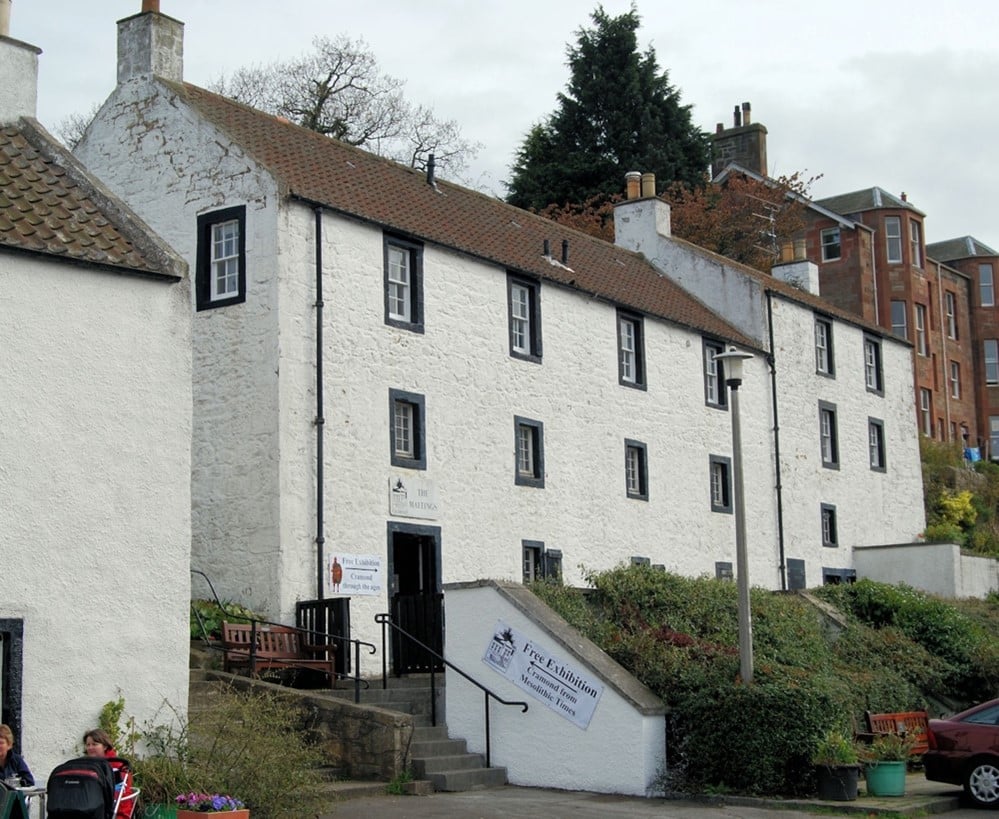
(150, 44)
(648, 185)
(633, 184)
(4, 18)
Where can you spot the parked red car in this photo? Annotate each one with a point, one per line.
(964, 750)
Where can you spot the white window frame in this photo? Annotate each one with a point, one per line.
(225, 259)
(899, 319)
(986, 286)
(631, 350)
(831, 244)
(916, 243)
(407, 419)
(715, 390)
(893, 239)
(922, 346)
(529, 452)
(828, 435)
(636, 470)
(873, 375)
(876, 443)
(990, 348)
(950, 308)
(823, 346)
(955, 380)
(520, 318)
(720, 479)
(926, 412)
(400, 294)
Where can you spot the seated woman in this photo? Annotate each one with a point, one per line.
(97, 743)
(12, 764)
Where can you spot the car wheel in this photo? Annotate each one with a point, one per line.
(982, 783)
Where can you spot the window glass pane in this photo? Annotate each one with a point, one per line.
(525, 450)
(916, 244)
(225, 259)
(399, 284)
(714, 392)
(823, 359)
(830, 244)
(893, 238)
(872, 365)
(951, 316)
(520, 318)
(986, 285)
(991, 361)
(899, 324)
(921, 346)
(629, 363)
(403, 426)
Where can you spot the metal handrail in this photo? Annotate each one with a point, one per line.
(386, 620)
(255, 621)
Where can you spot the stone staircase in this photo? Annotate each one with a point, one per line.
(435, 757)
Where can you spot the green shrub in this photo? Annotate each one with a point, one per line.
(254, 746)
(207, 616)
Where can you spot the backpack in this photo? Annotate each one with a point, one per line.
(81, 789)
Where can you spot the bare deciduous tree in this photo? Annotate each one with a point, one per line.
(338, 90)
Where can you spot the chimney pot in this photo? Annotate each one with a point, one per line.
(565, 252)
(648, 185)
(546, 249)
(737, 117)
(799, 250)
(633, 184)
(746, 108)
(719, 127)
(904, 197)
(151, 6)
(4, 18)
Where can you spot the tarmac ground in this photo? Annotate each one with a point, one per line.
(921, 798)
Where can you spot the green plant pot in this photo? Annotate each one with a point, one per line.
(885, 778)
(160, 812)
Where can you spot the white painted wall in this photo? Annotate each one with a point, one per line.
(169, 181)
(95, 425)
(937, 568)
(622, 750)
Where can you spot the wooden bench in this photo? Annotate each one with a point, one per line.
(277, 647)
(913, 724)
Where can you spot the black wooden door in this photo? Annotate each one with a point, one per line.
(417, 603)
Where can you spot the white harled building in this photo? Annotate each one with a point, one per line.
(432, 386)
(95, 443)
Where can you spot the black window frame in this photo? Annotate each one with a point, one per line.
(641, 376)
(533, 287)
(833, 463)
(537, 479)
(415, 252)
(726, 463)
(875, 344)
(418, 402)
(830, 510)
(826, 322)
(643, 469)
(879, 424)
(203, 266)
(715, 347)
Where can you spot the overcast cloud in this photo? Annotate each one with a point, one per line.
(901, 95)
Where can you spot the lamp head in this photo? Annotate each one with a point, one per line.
(732, 360)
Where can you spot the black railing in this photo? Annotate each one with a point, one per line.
(310, 630)
(386, 622)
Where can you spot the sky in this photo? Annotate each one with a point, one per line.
(859, 93)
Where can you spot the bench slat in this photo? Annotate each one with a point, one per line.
(276, 647)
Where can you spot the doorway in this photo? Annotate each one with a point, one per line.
(416, 601)
(11, 659)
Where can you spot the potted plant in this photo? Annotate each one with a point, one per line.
(196, 805)
(837, 767)
(885, 761)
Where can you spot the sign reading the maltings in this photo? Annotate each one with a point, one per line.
(564, 688)
(411, 497)
(355, 574)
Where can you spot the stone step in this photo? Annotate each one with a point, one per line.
(468, 780)
(438, 747)
(427, 733)
(424, 766)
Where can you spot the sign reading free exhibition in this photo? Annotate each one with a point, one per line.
(564, 688)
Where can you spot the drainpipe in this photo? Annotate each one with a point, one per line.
(944, 363)
(320, 418)
(779, 485)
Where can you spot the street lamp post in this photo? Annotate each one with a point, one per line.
(732, 361)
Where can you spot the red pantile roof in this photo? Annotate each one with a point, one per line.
(49, 205)
(367, 187)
